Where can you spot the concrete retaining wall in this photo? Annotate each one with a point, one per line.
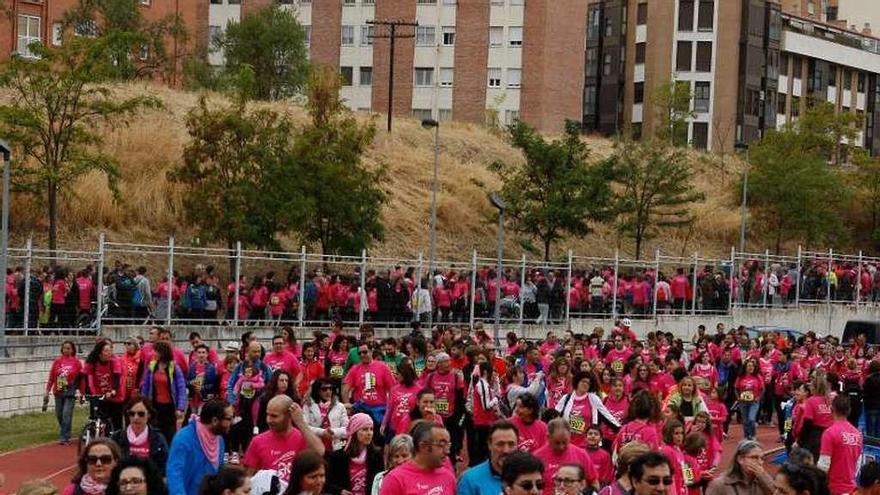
(23, 375)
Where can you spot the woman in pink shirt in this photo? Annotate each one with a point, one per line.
(643, 410)
(104, 374)
(64, 385)
(58, 312)
(673, 438)
(749, 388)
(401, 401)
(618, 403)
(558, 381)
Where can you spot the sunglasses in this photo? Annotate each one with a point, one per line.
(529, 485)
(140, 414)
(104, 459)
(657, 481)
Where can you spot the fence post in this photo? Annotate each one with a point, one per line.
(362, 293)
(797, 283)
(302, 290)
(237, 283)
(522, 284)
(100, 306)
(416, 315)
(656, 278)
(568, 292)
(828, 281)
(694, 285)
(473, 285)
(171, 283)
(27, 284)
(858, 294)
(732, 280)
(766, 285)
(614, 285)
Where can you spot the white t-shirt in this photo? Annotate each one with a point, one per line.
(261, 482)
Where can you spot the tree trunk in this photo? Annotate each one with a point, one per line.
(230, 246)
(53, 220)
(638, 245)
(778, 240)
(547, 249)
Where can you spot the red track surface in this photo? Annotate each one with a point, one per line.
(57, 463)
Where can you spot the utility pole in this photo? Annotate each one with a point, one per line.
(393, 34)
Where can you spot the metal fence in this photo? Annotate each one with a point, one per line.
(209, 285)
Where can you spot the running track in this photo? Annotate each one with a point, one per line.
(57, 463)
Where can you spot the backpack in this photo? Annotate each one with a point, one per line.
(137, 296)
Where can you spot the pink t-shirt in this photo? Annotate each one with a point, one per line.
(531, 437)
(818, 410)
(269, 450)
(370, 383)
(410, 479)
(552, 462)
(357, 473)
(401, 402)
(843, 444)
(556, 389)
(618, 409)
(602, 463)
(444, 385)
(638, 430)
(285, 360)
(676, 457)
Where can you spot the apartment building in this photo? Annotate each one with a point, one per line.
(42, 21)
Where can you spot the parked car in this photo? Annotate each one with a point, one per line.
(791, 333)
(870, 329)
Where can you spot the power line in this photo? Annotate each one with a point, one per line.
(392, 35)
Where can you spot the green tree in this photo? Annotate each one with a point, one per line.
(558, 191)
(137, 47)
(56, 105)
(672, 105)
(344, 198)
(655, 189)
(234, 170)
(791, 188)
(273, 43)
(830, 133)
(867, 192)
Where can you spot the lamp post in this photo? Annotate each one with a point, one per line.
(6, 151)
(498, 203)
(743, 207)
(432, 253)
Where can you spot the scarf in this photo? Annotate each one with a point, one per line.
(135, 439)
(91, 487)
(210, 444)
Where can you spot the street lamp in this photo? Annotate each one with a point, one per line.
(428, 124)
(742, 146)
(498, 203)
(6, 151)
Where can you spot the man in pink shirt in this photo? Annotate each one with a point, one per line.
(288, 435)
(195, 341)
(617, 357)
(559, 451)
(367, 386)
(428, 472)
(840, 449)
(282, 359)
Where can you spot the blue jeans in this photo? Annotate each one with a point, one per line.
(749, 412)
(64, 414)
(872, 422)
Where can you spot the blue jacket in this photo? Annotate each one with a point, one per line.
(210, 382)
(187, 464)
(177, 385)
(233, 377)
(480, 480)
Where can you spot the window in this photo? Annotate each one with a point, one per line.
(347, 35)
(424, 76)
(700, 138)
(496, 36)
(216, 2)
(704, 56)
(639, 93)
(642, 14)
(366, 78)
(640, 53)
(590, 100)
(347, 74)
(369, 2)
(609, 27)
(811, 7)
(367, 35)
(847, 80)
(832, 75)
(234, 2)
(795, 106)
(592, 62)
(425, 35)
(28, 32)
(861, 83)
(422, 113)
(145, 2)
(305, 2)
(783, 64)
(214, 33)
(511, 116)
(497, 2)
(780, 103)
(426, 2)
(449, 2)
(593, 23)
(606, 65)
(448, 35)
(686, 15)
(753, 102)
(58, 33)
(348, 2)
(683, 56)
(706, 15)
(514, 78)
(445, 114)
(308, 30)
(701, 96)
(85, 28)
(514, 33)
(494, 77)
(446, 76)
(796, 67)
(636, 130)
(144, 52)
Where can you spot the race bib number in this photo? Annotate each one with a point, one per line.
(787, 424)
(247, 391)
(617, 366)
(61, 382)
(369, 382)
(441, 406)
(747, 396)
(577, 424)
(687, 473)
(336, 371)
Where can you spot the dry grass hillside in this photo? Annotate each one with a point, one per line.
(149, 209)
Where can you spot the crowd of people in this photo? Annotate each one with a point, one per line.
(63, 298)
(454, 411)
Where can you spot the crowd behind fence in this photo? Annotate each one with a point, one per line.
(172, 284)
